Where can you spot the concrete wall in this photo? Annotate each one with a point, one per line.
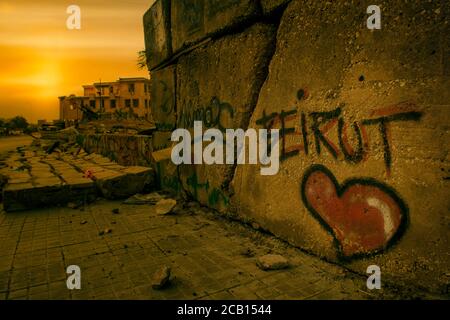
(126, 150)
(364, 174)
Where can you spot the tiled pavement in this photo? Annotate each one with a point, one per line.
(210, 257)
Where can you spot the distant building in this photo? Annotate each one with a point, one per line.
(126, 98)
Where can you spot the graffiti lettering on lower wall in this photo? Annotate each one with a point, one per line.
(215, 195)
(322, 122)
(365, 216)
(212, 115)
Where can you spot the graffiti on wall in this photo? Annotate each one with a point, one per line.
(165, 107)
(212, 115)
(364, 215)
(313, 129)
(215, 195)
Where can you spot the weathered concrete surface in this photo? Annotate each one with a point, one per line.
(371, 108)
(207, 90)
(158, 43)
(195, 20)
(112, 180)
(163, 98)
(269, 6)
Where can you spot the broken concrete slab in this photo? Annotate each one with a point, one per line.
(158, 42)
(69, 178)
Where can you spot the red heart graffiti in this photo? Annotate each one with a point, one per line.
(364, 215)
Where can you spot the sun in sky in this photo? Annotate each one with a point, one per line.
(41, 59)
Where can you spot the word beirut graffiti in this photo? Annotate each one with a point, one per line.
(323, 122)
(364, 216)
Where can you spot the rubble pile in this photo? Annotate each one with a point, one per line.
(36, 177)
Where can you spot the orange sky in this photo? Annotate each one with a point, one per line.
(40, 59)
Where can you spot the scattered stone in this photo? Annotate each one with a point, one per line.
(165, 206)
(72, 205)
(161, 278)
(272, 262)
(83, 222)
(116, 211)
(106, 231)
(140, 199)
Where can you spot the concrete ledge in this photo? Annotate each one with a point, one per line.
(158, 42)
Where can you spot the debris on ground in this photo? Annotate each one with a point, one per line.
(139, 199)
(83, 222)
(103, 232)
(53, 147)
(116, 211)
(161, 278)
(74, 205)
(272, 262)
(165, 206)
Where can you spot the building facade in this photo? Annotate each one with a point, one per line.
(126, 98)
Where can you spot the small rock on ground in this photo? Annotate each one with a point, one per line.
(272, 262)
(161, 278)
(165, 206)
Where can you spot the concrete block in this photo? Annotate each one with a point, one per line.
(161, 140)
(124, 183)
(208, 91)
(17, 197)
(195, 20)
(221, 15)
(158, 44)
(187, 23)
(269, 6)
